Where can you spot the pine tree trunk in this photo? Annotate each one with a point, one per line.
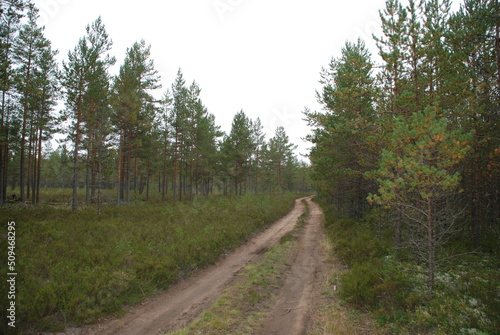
(279, 175)
(431, 247)
(29, 177)
(175, 166)
(94, 166)
(2, 152)
(23, 135)
(181, 182)
(148, 174)
(136, 170)
(75, 158)
(87, 178)
(127, 177)
(497, 44)
(99, 187)
(4, 167)
(34, 160)
(39, 166)
(164, 173)
(22, 174)
(120, 169)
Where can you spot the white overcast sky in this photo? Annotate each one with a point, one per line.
(262, 56)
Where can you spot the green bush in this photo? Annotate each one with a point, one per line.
(359, 284)
(360, 247)
(353, 242)
(379, 283)
(466, 297)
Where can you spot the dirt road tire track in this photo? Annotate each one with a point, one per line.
(181, 303)
(295, 303)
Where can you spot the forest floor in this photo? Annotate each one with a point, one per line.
(290, 308)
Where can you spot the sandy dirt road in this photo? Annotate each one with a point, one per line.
(183, 302)
(299, 294)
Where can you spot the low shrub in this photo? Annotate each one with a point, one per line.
(380, 283)
(353, 242)
(359, 284)
(75, 268)
(466, 296)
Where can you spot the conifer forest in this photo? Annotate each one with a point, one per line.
(404, 161)
(117, 135)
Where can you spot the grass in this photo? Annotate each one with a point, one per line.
(333, 316)
(74, 269)
(244, 305)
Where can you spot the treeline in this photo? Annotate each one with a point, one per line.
(416, 140)
(118, 135)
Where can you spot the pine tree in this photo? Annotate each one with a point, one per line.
(177, 118)
(341, 153)
(392, 77)
(280, 154)
(165, 131)
(418, 174)
(472, 41)
(238, 148)
(414, 53)
(73, 81)
(11, 13)
(134, 112)
(86, 83)
(207, 139)
(44, 126)
(258, 138)
(437, 65)
(30, 49)
(97, 110)
(203, 134)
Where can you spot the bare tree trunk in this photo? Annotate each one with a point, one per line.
(96, 147)
(147, 179)
(136, 171)
(29, 176)
(3, 152)
(164, 173)
(120, 169)
(430, 246)
(99, 186)
(39, 165)
(35, 160)
(175, 167)
(22, 176)
(75, 159)
(181, 181)
(128, 160)
(87, 177)
(497, 44)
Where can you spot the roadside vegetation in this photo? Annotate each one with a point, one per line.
(75, 268)
(391, 289)
(406, 155)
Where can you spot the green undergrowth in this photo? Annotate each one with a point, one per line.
(394, 290)
(74, 269)
(244, 305)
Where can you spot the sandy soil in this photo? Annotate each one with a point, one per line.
(183, 302)
(298, 295)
